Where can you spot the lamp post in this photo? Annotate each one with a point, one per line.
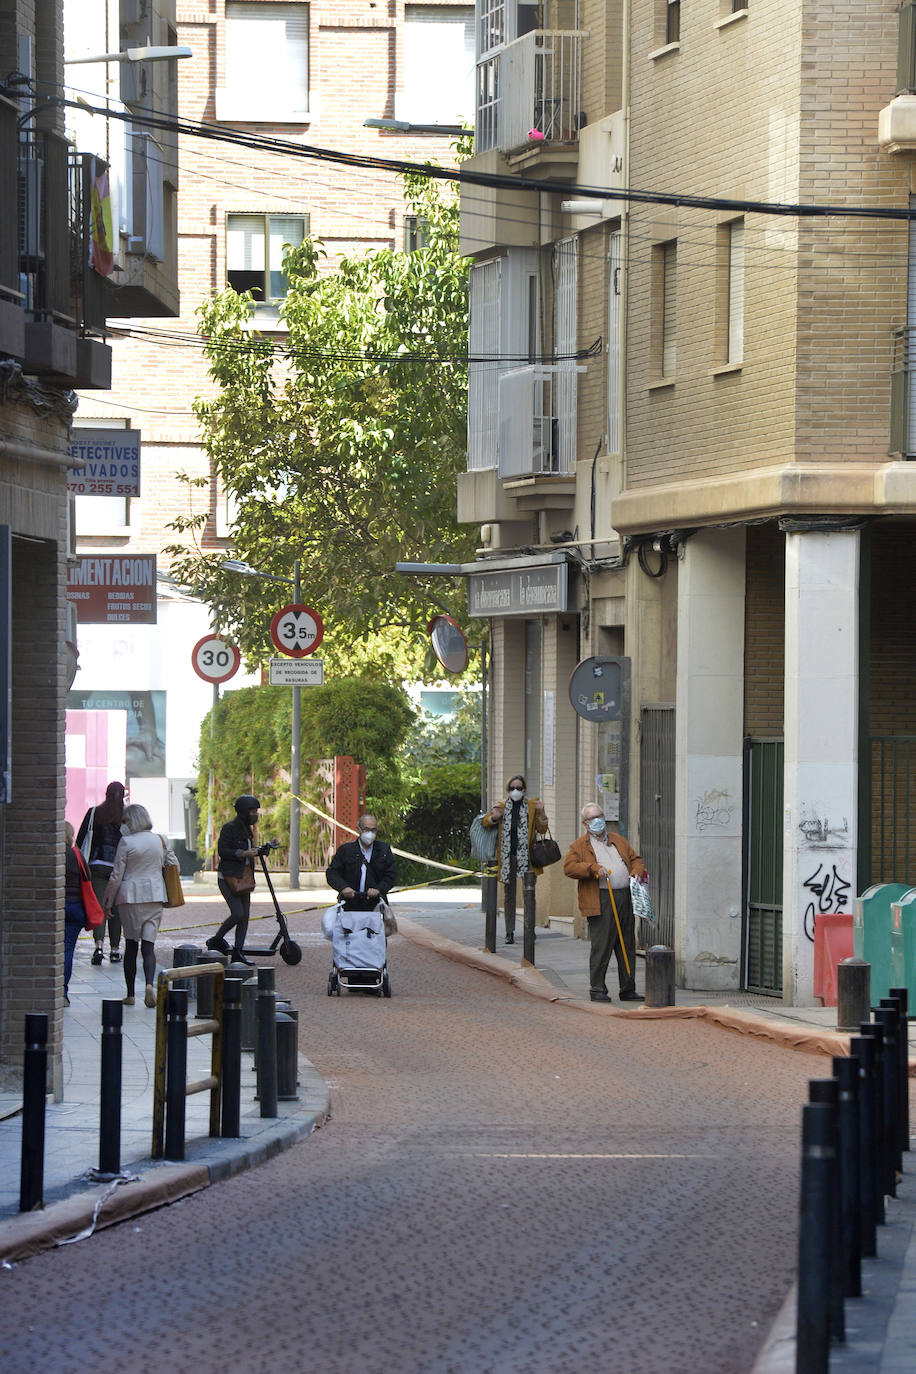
(236, 565)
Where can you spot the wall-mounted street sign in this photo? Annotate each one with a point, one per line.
(113, 590)
(449, 643)
(596, 688)
(538, 590)
(296, 672)
(109, 462)
(215, 659)
(296, 630)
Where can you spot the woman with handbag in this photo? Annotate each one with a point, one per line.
(519, 821)
(97, 838)
(78, 895)
(137, 885)
(238, 848)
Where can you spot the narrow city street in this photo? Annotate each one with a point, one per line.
(505, 1186)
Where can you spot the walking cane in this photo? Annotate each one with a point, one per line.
(626, 961)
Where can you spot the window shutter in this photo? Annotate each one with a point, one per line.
(736, 292)
(567, 376)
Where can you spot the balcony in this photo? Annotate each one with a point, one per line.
(537, 421)
(528, 92)
(897, 121)
(903, 394)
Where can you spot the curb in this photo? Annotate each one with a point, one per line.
(78, 1217)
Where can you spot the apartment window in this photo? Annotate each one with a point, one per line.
(735, 350)
(416, 232)
(664, 311)
(267, 63)
(438, 84)
(254, 252)
(673, 21)
(101, 515)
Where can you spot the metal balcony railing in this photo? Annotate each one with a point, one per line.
(531, 84)
(903, 394)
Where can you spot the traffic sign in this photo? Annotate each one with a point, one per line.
(296, 630)
(214, 659)
(286, 672)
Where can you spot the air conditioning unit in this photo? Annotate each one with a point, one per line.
(28, 187)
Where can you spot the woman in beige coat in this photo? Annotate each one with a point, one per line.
(519, 821)
(137, 887)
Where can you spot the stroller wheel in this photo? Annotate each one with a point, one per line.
(290, 952)
(386, 985)
(332, 983)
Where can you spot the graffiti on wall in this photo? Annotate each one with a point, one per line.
(714, 810)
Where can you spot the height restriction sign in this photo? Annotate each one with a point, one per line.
(296, 630)
(214, 659)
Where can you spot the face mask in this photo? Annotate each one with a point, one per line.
(367, 837)
(597, 825)
(516, 794)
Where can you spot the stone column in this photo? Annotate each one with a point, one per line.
(821, 744)
(709, 730)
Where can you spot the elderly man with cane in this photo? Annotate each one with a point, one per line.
(603, 862)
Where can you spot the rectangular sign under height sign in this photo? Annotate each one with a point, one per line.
(296, 672)
(108, 462)
(113, 590)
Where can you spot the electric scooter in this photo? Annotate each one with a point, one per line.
(290, 952)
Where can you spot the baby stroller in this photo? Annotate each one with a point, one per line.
(359, 941)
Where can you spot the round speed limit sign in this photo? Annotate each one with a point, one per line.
(214, 659)
(296, 630)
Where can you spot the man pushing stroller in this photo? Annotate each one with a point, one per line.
(363, 870)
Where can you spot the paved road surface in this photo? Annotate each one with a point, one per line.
(505, 1187)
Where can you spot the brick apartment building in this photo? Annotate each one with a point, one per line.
(309, 73)
(695, 453)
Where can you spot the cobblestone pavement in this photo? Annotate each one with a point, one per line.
(503, 1188)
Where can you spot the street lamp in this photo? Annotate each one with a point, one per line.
(131, 55)
(403, 126)
(236, 565)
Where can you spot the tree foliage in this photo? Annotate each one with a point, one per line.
(342, 448)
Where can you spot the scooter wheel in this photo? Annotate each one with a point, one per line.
(290, 952)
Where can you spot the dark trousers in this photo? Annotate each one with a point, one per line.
(239, 904)
(510, 888)
(604, 940)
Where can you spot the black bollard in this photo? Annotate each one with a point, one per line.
(267, 1043)
(853, 993)
(818, 1164)
(34, 1092)
(846, 1073)
(659, 976)
(231, 1057)
(489, 906)
(883, 1148)
(826, 1091)
(176, 1072)
(888, 1018)
(898, 997)
(287, 1055)
(528, 915)
(871, 1213)
(110, 1094)
(249, 1018)
(183, 957)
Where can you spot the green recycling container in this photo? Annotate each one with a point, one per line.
(871, 934)
(903, 943)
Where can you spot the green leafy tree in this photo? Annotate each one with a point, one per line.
(343, 445)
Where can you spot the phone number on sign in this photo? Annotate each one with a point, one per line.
(103, 489)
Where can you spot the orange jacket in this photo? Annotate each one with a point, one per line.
(580, 863)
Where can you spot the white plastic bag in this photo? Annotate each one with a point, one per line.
(643, 909)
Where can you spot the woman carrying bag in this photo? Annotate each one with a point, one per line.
(238, 848)
(519, 821)
(138, 886)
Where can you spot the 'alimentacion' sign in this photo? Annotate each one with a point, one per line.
(113, 590)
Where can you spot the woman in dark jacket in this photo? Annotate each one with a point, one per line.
(237, 848)
(105, 823)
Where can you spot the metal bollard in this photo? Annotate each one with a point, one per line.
(875, 1032)
(888, 1018)
(818, 1163)
(206, 991)
(231, 1058)
(267, 1043)
(110, 1094)
(659, 976)
(249, 1019)
(853, 993)
(846, 1073)
(862, 1049)
(183, 957)
(528, 915)
(176, 1072)
(490, 896)
(34, 1092)
(287, 1055)
(826, 1091)
(898, 997)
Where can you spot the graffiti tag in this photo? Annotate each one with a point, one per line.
(714, 810)
(831, 891)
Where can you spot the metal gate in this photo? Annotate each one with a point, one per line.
(763, 829)
(656, 819)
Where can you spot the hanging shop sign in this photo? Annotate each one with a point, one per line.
(539, 590)
(106, 462)
(112, 590)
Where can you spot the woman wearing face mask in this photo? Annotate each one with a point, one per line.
(137, 885)
(519, 821)
(238, 848)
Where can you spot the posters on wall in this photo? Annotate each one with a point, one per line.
(145, 754)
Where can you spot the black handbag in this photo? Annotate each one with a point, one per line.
(545, 851)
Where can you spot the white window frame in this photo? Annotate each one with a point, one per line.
(268, 302)
(431, 60)
(566, 336)
(277, 102)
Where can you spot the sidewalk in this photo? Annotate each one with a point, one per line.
(881, 1327)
